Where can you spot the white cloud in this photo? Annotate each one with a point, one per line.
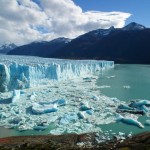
(24, 21)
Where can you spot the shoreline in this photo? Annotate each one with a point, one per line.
(74, 141)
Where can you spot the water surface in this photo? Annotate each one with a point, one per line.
(127, 82)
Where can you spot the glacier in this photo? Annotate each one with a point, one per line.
(36, 93)
(19, 72)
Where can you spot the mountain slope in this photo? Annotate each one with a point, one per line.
(42, 49)
(130, 44)
(5, 48)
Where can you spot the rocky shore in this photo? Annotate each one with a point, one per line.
(75, 142)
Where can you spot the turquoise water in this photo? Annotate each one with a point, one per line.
(137, 77)
(4, 132)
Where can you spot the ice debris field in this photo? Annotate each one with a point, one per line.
(36, 93)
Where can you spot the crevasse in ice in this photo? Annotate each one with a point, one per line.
(19, 72)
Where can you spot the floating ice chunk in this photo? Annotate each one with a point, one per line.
(123, 106)
(115, 100)
(40, 109)
(60, 102)
(32, 96)
(81, 115)
(84, 106)
(144, 108)
(121, 133)
(58, 131)
(140, 103)
(147, 122)
(88, 79)
(40, 127)
(16, 96)
(130, 135)
(129, 121)
(110, 77)
(77, 124)
(90, 112)
(126, 87)
(15, 120)
(96, 98)
(134, 111)
(104, 86)
(3, 115)
(22, 92)
(133, 108)
(68, 118)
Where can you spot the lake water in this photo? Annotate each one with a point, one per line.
(135, 76)
(137, 80)
(125, 82)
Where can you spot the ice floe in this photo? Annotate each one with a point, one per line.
(130, 121)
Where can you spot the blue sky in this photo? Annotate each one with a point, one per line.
(140, 9)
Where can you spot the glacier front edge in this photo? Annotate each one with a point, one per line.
(19, 72)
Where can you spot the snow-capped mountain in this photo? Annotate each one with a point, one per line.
(41, 48)
(133, 26)
(5, 48)
(99, 33)
(61, 39)
(130, 44)
(102, 32)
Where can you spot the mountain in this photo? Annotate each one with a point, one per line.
(130, 44)
(133, 26)
(42, 49)
(5, 48)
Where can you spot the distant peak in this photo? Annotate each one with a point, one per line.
(112, 28)
(62, 39)
(133, 26)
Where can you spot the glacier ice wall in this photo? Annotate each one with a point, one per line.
(19, 72)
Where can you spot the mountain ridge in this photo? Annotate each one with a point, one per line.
(6, 47)
(42, 49)
(130, 44)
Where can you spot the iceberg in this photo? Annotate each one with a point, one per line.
(129, 121)
(20, 72)
(96, 98)
(140, 103)
(68, 118)
(85, 106)
(59, 102)
(147, 122)
(81, 115)
(45, 108)
(126, 107)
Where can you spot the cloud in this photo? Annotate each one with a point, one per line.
(24, 21)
